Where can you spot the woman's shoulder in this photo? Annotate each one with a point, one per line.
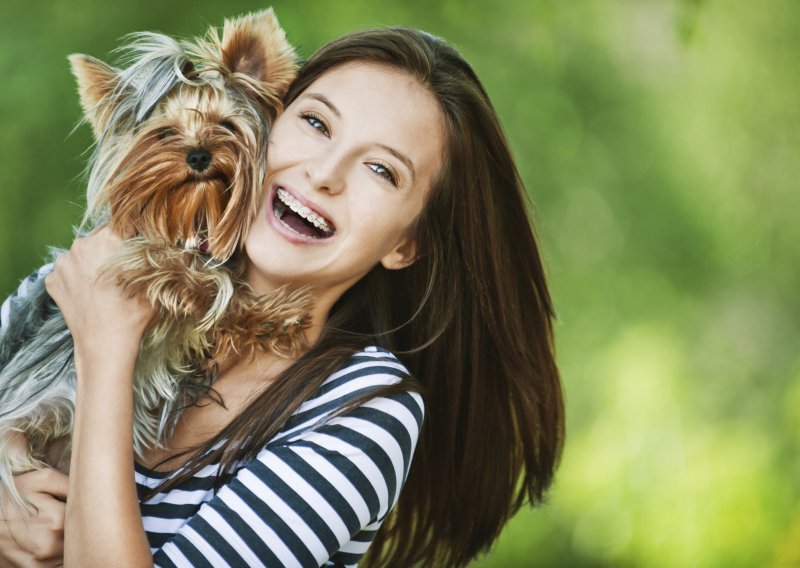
(372, 365)
(373, 369)
(371, 378)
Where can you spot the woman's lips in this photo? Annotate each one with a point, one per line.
(307, 210)
(305, 213)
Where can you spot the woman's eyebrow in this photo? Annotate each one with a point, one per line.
(326, 101)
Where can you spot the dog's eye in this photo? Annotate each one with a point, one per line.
(165, 132)
(228, 125)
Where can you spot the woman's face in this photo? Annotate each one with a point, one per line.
(350, 163)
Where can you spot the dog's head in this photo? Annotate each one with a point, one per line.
(182, 131)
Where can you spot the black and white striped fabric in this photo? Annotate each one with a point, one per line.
(315, 495)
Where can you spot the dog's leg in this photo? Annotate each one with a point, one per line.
(180, 283)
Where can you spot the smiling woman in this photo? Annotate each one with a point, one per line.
(339, 155)
(392, 197)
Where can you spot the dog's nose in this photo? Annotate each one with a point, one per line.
(198, 160)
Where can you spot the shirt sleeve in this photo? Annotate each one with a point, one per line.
(7, 308)
(321, 494)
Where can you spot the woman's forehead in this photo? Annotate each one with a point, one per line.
(380, 87)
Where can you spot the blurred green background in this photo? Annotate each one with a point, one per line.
(660, 141)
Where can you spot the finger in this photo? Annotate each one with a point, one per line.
(51, 285)
(48, 481)
(96, 230)
(101, 244)
(117, 233)
(35, 536)
(56, 484)
(50, 512)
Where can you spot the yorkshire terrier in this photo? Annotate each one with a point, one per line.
(179, 163)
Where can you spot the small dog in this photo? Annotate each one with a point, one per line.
(180, 161)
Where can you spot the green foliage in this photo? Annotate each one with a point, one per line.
(659, 141)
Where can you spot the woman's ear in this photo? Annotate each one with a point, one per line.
(402, 256)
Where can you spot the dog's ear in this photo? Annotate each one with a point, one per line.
(255, 45)
(96, 82)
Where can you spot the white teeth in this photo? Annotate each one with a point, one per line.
(303, 211)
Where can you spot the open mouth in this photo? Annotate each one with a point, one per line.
(299, 218)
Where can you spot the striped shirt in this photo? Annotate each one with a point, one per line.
(315, 495)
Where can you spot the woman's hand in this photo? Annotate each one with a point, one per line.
(100, 314)
(35, 538)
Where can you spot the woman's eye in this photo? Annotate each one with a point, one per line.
(383, 172)
(316, 123)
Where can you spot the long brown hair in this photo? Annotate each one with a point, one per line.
(471, 318)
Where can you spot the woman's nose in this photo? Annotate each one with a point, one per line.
(326, 173)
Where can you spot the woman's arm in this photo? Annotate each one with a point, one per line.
(103, 526)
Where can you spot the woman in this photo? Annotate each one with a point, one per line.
(390, 138)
